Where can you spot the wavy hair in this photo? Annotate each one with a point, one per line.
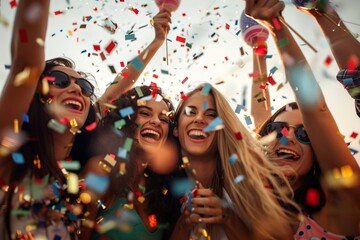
(312, 178)
(259, 207)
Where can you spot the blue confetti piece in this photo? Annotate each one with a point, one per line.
(138, 64)
(268, 56)
(239, 179)
(273, 70)
(83, 51)
(189, 200)
(239, 108)
(98, 183)
(129, 36)
(236, 22)
(353, 151)
(248, 120)
(205, 105)
(347, 81)
(122, 153)
(284, 140)
(238, 32)
(7, 66)
(272, 108)
(232, 158)
(18, 158)
(57, 237)
(127, 111)
(182, 186)
(25, 117)
(214, 125)
(163, 71)
(206, 89)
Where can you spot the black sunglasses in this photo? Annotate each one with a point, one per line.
(300, 132)
(62, 80)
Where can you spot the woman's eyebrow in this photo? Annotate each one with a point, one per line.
(149, 108)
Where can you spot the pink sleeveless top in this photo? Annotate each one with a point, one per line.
(310, 230)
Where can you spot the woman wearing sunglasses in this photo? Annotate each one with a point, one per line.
(326, 176)
(43, 107)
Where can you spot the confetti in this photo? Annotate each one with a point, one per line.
(312, 197)
(127, 111)
(180, 39)
(214, 125)
(98, 183)
(206, 89)
(248, 120)
(128, 144)
(284, 140)
(122, 153)
(73, 183)
(282, 42)
(110, 158)
(137, 63)
(238, 179)
(238, 135)
(328, 60)
(18, 158)
(152, 220)
(56, 126)
(233, 158)
(184, 81)
(22, 77)
(90, 127)
(129, 36)
(110, 47)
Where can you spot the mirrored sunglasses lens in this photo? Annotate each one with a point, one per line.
(302, 135)
(61, 79)
(86, 87)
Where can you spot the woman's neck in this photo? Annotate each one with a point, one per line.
(63, 145)
(204, 167)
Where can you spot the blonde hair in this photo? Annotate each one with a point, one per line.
(259, 207)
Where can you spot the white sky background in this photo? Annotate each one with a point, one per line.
(192, 22)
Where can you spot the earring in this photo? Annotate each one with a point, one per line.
(46, 100)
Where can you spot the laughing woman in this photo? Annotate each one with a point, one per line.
(238, 194)
(327, 182)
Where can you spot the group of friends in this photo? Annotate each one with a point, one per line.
(150, 171)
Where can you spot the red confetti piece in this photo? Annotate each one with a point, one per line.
(328, 60)
(95, 9)
(183, 96)
(135, 10)
(96, 47)
(271, 80)
(125, 74)
(227, 26)
(23, 35)
(13, 3)
(352, 63)
(261, 50)
(110, 47)
(122, 64)
(255, 74)
(284, 131)
(91, 126)
(238, 135)
(152, 220)
(263, 86)
(185, 79)
(226, 58)
(276, 23)
(354, 135)
(205, 67)
(64, 120)
(180, 39)
(155, 76)
(312, 197)
(183, 14)
(57, 12)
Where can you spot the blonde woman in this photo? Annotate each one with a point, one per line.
(238, 196)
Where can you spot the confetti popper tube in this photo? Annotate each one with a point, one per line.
(297, 34)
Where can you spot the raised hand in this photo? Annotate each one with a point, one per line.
(161, 24)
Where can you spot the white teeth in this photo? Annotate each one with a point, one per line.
(287, 151)
(73, 102)
(197, 133)
(148, 131)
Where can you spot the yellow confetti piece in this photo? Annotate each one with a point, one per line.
(16, 126)
(85, 198)
(70, 32)
(3, 21)
(22, 77)
(346, 171)
(110, 105)
(141, 199)
(152, 22)
(73, 183)
(141, 102)
(164, 191)
(122, 168)
(104, 166)
(73, 123)
(40, 42)
(341, 178)
(129, 206)
(45, 87)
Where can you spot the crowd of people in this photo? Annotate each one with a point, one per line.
(145, 170)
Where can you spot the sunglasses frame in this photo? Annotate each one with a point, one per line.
(288, 126)
(68, 77)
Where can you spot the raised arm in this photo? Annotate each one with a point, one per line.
(121, 83)
(255, 35)
(27, 62)
(329, 147)
(342, 43)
